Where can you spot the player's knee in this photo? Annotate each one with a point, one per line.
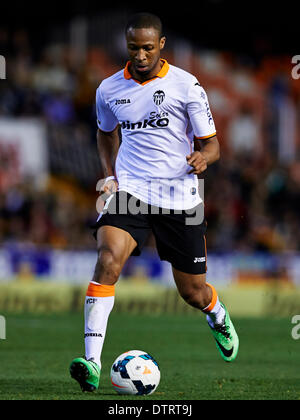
(108, 268)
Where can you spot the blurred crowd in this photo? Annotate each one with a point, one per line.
(252, 195)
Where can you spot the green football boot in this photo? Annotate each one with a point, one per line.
(227, 340)
(86, 373)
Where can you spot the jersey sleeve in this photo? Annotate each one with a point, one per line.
(106, 120)
(199, 112)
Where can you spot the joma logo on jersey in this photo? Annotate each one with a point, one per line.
(155, 121)
(122, 101)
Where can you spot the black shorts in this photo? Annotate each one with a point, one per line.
(179, 235)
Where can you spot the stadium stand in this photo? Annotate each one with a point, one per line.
(252, 194)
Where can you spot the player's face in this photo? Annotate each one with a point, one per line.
(144, 46)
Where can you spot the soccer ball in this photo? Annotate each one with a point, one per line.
(135, 372)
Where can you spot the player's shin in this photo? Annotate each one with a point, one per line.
(98, 305)
(215, 312)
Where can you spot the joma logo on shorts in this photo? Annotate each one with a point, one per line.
(199, 259)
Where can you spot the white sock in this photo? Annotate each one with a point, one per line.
(216, 315)
(96, 312)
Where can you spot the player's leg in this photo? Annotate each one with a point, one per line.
(183, 244)
(203, 296)
(199, 294)
(114, 247)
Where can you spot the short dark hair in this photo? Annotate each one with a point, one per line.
(145, 20)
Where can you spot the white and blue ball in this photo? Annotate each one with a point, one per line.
(135, 373)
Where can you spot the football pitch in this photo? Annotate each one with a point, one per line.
(38, 349)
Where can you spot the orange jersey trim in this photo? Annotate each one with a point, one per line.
(162, 73)
(205, 137)
(100, 290)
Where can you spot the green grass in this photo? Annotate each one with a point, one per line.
(38, 349)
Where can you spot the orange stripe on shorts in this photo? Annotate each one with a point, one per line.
(100, 290)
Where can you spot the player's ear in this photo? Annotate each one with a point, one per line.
(162, 42)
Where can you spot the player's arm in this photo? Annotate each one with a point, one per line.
(206, 145)
(107, 140)
(206, 152)
(108, 145)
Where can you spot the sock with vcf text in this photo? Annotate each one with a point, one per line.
(215, 313)
(99, 302)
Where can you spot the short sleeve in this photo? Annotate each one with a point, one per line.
(106, 120)
(199, 112)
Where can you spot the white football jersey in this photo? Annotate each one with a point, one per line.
(159, 120)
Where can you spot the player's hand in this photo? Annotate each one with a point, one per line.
(198, 163)
(109, 187)
(106, 190)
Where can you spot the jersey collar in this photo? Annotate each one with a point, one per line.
(162, 73)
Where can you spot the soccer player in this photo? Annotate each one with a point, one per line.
(168, 138)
